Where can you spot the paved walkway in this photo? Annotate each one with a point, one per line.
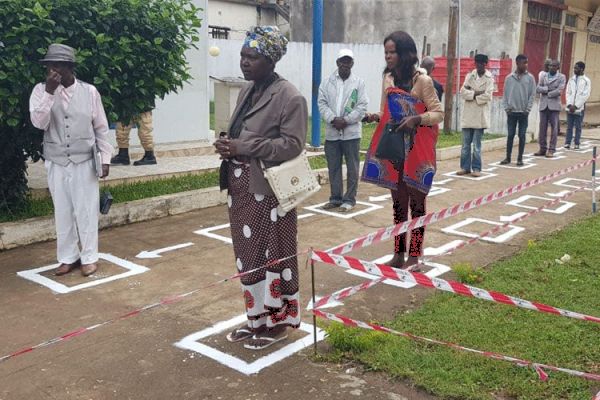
(178, 351)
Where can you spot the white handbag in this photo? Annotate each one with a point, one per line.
(292, 181)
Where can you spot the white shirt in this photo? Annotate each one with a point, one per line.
(578, 92)
(40, 108)
(340, 85)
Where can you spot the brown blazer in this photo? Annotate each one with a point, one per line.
(274, 130)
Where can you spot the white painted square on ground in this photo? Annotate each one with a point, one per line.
(455, 230)
(435, 271)
(484, 175)
(345, 215)
(558, 155)
(191, 342)
(526, 164)
(436, 190)
(582, 182)
(518, 202)
(34, 275)
(582, 150)
(511, 218)
(210, 232)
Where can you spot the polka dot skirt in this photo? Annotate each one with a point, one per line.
(262, 233)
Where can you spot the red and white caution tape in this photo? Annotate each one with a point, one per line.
(344, 293)
(444, 285)
(538, 367)
(347, 292)
(394, 230)
(165, 301)
(498, 228)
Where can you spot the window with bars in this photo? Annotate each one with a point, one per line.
(543, 14)
(219, 32)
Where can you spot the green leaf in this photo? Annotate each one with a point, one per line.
(158, 41)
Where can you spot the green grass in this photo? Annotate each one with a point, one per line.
(444, 139)
(532, 274)
(139, 190)
(123, 193)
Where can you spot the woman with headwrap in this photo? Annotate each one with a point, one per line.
(269, 125)
(410, 102)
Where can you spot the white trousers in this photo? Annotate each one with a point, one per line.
(75, 195)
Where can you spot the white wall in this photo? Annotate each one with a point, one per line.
(296, 66)
(184, 116)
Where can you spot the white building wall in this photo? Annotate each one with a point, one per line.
(296, 67)
(240, 17)
(184, 116)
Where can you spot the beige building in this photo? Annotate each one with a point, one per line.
(567, 30)
(230, 19)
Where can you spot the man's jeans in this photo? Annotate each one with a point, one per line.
(514, 119)
(335, 150)
(574, 120)
(471, 161)
(548, 117)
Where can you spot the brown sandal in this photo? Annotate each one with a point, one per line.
(239, 334)
(263, 341)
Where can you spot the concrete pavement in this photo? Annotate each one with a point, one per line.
(136, 358)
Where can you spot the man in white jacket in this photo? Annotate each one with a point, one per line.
(578, 92)
(71, 114)
(343, 104)
(477, 93)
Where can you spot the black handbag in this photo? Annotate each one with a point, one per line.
(106, 200)
(393, 145)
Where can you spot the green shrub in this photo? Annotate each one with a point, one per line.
(131, 50)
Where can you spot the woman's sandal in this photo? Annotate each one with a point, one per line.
(239, 334)
(255, 343)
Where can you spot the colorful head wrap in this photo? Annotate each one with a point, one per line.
(268, 41)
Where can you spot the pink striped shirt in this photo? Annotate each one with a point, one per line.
(40, 108)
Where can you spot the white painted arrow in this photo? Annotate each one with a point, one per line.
(156, 253)
(380, 198)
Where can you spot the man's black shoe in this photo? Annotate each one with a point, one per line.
(122, 158)
(148, 159)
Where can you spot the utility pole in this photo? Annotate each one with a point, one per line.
(451, 61)
(317, 49)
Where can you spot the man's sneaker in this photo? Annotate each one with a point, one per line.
(568, 146)
(505, 161)
(346, 207)
(550, 154)
(476, 174)
(329, 206)
(520, 163)
(576, 147)
(540, 153)
(463, 172)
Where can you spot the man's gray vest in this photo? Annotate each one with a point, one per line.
(70, 136)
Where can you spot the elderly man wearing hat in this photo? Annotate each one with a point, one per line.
(75, 128)
(477, 93)
(343, 103)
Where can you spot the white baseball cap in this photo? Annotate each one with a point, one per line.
(345, 53)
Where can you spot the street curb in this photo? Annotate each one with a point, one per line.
(41, 229)
(34, 230)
